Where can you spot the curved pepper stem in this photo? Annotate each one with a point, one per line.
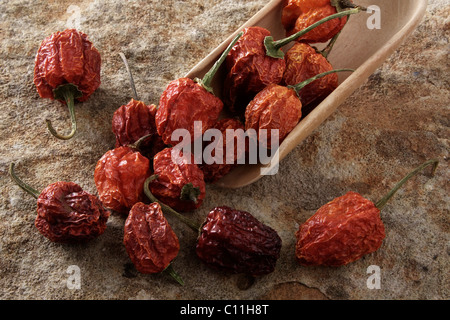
(380, 204)
(165, 208)
(130, 75)
(301, 85)
(67, 92)
(22, 184)
(273, 48)
(208, 77)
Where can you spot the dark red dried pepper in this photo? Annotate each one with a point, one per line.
(149, 240)
(231, 240)
(277, 107)
(119, 177)
(345, 229)
(180, 182)
(304, 62)
(66, 213)
(300, 14)
(186, 101)
(67, 68)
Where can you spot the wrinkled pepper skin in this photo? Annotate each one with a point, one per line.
(173, 174)
(340, 232)
(275, 107)
(66, 213)
(304, 62)
(300, 14)
(249, 69)
(119, 177)
(133, 121)
(183, 102)
(214, 171)
(149, 240)
(67, 57)
(235, 241)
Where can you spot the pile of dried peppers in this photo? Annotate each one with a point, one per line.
(144, 177)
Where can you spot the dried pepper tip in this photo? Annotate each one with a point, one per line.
(165, 208)
(273, 48)
(208, 77)
(68, 93)
(133, 87)
(22, 184)
(303, 84)
(381, 203)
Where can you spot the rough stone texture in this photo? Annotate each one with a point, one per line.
(395, 121)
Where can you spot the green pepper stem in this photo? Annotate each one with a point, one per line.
(22, 184)
(208, 77)
(273, 48)
(171, 272)
(326, 51)
(130, 75)
(165, 208)
(297, 87)
(380, 204)
(67, 92)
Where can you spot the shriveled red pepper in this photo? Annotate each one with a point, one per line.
(214, 171)
(345, 229)
(180, 182)
(277, 107)
(186, 101)
(65, 212)
(67, 68)
(231, 240)
(304, 62)
(119, 177)
(150, 241)
(133, 121)
(299, 14)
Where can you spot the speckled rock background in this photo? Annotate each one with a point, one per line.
(395, 121)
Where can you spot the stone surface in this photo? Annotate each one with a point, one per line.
(395, 121)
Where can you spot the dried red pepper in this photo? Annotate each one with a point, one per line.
(149, 240)
(257, 61)
(180, 182)
(66, 213)
(299, 14)
(119, 177)
(277, 107)
(67, 68)
(186, 101)
(304, 62)
(133, 121)
(231, 240)
(214, 171)
(345, 229)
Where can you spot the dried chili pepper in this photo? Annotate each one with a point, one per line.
(214, 170)
(186, 101)
(231, 240)
(345, 229)
(66, 213)
(150, 241)
(277, 107)
(257, 61)
(67, 68)
(119, 177)
(304, 62)
(180, 182)
(299, 14)
(135, 120)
